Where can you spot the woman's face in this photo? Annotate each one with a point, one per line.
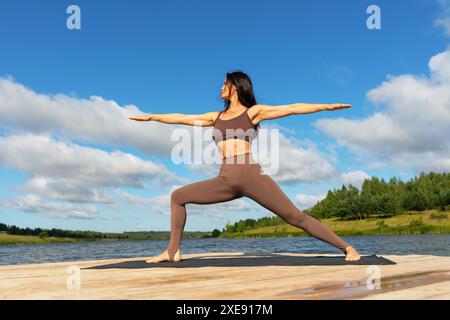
(225, 90)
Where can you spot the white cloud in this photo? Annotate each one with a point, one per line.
(94, 120)
(66, 189)
(34, 204)
(65, 171)
(301, 161)
(413, 129)
(134, 200)
(305, 201)
(355, 178)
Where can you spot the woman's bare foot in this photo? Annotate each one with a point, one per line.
(166, 256)
(351, 254)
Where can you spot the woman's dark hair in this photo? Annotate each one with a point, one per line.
(244, 88)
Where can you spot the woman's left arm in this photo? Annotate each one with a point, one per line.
(266, 112)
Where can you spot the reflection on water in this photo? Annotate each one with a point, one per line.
(438, 245)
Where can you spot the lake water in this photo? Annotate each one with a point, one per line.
(438, 245)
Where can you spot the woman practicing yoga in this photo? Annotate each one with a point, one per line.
(240, 175)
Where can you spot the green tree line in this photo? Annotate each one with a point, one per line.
(378, 198)
(95, 235)
(14, 230)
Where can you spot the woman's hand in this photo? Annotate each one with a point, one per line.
(337, 106)
(145, 117)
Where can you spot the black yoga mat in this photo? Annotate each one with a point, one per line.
(250, 260)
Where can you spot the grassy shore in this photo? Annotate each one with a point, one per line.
(428, 222)
(15, 239)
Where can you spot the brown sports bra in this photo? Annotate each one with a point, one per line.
(240, 127)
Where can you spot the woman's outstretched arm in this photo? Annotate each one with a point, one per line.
(266, 112)
(202, 120)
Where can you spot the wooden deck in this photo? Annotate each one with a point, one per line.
(233, 276)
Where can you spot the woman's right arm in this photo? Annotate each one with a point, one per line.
(202, 120)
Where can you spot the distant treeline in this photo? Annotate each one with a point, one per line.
(247, 224)
(94, 235)
(59, 233)
(377, 198)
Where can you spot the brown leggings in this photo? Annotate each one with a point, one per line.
(239, 176)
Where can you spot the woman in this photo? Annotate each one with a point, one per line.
(242, 176)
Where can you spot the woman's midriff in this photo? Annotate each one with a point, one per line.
(229, 148)
(239, 170)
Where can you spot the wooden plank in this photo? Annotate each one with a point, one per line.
(230, 276)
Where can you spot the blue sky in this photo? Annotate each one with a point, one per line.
(71, 159)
